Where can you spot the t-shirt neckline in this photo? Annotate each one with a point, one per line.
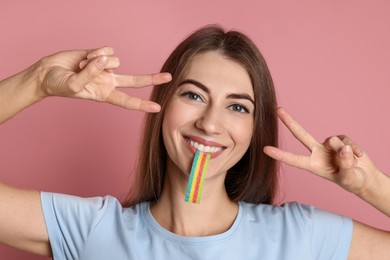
(166, 234)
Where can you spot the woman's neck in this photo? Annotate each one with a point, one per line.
(213, 215)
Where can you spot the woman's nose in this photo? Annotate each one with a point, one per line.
(210, 121)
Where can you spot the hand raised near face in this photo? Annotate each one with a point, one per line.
(89, 74)
(339, 159)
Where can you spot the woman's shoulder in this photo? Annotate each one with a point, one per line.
(290, 213)
(103, 206)
(77, 225)
(273, 209)
(296, 227)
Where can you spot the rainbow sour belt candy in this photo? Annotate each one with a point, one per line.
(198, 172)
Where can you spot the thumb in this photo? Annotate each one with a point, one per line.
(346, 159)
(88, 73)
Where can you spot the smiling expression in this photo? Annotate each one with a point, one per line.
(212, 110)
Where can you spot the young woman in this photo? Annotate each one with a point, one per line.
(221, 101)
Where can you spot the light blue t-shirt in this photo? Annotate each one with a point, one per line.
(99, 228)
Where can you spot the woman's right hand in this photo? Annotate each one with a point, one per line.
(85, 74)
(89, 74)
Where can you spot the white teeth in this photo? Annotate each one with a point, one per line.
(203, 148)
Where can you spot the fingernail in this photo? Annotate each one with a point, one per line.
(91, 56)
(102, 61)
(346, 151)
(83, 64)
(168, 76)
(154, 108)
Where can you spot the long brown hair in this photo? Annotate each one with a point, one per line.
(254, 178)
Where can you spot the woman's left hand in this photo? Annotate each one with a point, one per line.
(339, 159)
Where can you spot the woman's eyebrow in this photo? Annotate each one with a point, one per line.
(241, 96)
(196, 83)
(206, 89)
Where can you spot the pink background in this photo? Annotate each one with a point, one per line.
(329, 60)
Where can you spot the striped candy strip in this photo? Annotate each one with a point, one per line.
(197, 175)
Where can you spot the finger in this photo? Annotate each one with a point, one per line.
(295, 160)
(113, 63)
(121, 99)
(83, 63)
(357, 150)
(346, 160)
(91, 71)
(296, 129)
(334, 143)
(103, 51)
(142, 80)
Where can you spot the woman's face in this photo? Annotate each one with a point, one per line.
(212, 110)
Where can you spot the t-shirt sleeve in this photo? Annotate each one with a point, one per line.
(330, 234)
(331, 231)
(70, 220)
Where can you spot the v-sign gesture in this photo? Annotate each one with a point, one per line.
(339, 159)
(84, 74)
(88, 74)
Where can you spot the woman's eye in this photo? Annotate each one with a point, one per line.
(191, 96)
(239, 108)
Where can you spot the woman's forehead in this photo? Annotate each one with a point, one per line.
(215, 70)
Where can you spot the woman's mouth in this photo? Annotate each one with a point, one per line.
(197, 143)
(204, 148)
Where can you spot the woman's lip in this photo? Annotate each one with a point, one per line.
(204, 142)
(200, 140)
